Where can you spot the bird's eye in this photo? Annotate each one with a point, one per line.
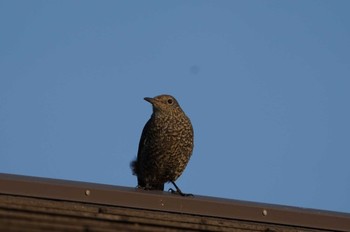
(170, 101)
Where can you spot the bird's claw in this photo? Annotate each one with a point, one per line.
(180, 193)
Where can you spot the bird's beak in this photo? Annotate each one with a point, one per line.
(155, 103)
(150, 100)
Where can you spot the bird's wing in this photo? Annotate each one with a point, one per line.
(143, 139)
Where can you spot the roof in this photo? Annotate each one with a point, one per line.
(42, 204)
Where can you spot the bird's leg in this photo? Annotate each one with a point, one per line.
(178, 191)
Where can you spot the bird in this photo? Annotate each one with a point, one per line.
(165, 146)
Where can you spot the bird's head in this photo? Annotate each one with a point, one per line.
(164, 104)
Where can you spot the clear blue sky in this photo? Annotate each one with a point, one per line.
(265, 83)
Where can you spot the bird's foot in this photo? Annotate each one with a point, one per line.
(178, 191)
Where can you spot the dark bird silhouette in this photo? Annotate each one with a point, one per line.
(165, 146)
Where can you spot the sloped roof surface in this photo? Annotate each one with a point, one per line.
(41, 204)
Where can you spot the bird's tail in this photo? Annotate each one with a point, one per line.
(133, 166)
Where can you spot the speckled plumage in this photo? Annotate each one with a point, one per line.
(165, 146)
